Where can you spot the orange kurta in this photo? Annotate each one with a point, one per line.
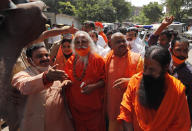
(119, 67)
(60, 59)
(87, 110)
(172, 115)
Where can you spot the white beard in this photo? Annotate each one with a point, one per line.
(83, 60)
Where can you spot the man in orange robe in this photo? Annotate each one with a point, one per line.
(121, 64)
(154, 100)
(85, 96)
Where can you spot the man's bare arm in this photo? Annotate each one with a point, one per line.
(41, 5)
(166, 22)
(54, 32)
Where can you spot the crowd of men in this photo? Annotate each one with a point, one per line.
(86, 80)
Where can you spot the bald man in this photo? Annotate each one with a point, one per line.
(121, 64)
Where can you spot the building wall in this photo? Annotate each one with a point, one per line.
(65, 19)
(51, 17)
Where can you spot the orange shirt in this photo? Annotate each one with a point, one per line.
(119, 67)
(172, 114)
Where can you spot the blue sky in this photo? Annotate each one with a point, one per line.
(143, 2)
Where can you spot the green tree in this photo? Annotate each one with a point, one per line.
(108, 12)
(174, 8)
(141, 19)
(88, 10)
(95, 10)
(123, 9)
(66, 8)
(153, 11)
(100, 10)
(179, 8)
(52, 4)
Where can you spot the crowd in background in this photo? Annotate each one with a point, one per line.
(88, 80)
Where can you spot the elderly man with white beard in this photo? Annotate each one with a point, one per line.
(86, 71)
(44, 109)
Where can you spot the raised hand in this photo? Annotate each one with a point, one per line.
(72, 29)
(167, 21)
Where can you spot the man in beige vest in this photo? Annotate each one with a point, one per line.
(45, 109)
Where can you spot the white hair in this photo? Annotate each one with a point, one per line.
(91, 43)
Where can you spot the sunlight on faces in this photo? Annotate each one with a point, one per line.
(40, 57)
(82, 44)
(152, 68)
(180, 50)
(130, 36)
(164, 41)
(118, 44)
(66, 48)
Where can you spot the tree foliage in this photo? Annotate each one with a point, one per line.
(180, 9)
(153, 12)
(141, 19)
(66, 8)
(95, 10)
(123, 9)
